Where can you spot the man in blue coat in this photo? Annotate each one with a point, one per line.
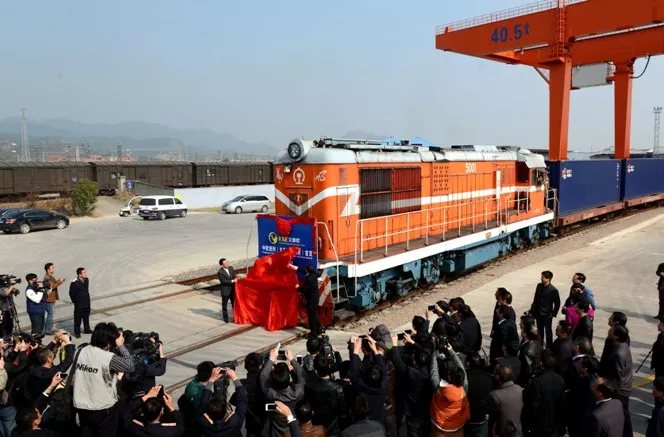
(36, 302)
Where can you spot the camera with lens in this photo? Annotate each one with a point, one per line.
(442, 341)
(36, 339)
(325, 347)
(228, 365)
(143, 352)
(8, 281)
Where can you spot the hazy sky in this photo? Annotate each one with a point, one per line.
(270, 71)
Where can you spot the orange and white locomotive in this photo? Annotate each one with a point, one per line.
(392, 216)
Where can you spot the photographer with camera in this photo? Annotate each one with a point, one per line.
(412, 368)
(145, 414)
(276, 384)
(370, 379)
(35, 295)
(52, 295)
(219, 419)
(147, 351)
(7, 309)
(15, 362)
(95, 372)
(450, 409)
(41, 374)
(326, 397)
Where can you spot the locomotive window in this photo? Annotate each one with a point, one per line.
(522, 173)
(375, 205)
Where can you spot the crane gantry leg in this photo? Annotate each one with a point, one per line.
(560, 84)
(622, 82)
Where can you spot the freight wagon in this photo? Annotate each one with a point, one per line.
(18, 178)
(21, 178)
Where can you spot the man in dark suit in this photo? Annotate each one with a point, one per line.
(585, 326)
(563, 346)
(503, 297)
(506, 402)
(480, 384)
(79, 293)
(310, 292)
(545, 307)
(505, 334)
(607, 419)
(544, 413)
(227, 279)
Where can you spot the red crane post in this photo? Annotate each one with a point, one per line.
(559, 35)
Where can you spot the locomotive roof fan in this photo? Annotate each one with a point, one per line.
(298, 149)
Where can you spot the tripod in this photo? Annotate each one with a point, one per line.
(14, 315)
(644, 361)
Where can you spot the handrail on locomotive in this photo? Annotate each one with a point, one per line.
(502, 214)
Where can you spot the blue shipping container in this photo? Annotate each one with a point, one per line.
(583, 185)
(643, 177)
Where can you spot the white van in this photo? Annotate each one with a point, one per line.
(161, 207)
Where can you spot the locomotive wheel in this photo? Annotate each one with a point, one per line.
(238, 210)
(264, 208)
(161, 216)
(24, 228)
(61, 224)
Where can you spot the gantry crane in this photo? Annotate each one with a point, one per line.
(557, 36)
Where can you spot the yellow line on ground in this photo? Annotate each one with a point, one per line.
(645, 381)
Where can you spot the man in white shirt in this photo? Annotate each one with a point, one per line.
(36, 302)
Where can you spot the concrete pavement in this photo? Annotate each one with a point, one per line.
(123, 253)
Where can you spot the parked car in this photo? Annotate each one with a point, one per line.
(161, 207)
(10, 211)
(32, 220)
(130, 207)
(246, 203)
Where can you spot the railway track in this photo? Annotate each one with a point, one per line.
(342, 319)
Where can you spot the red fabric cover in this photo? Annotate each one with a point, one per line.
(267, 296)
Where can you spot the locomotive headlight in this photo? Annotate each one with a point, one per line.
(294, 151)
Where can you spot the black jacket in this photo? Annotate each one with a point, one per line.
(152, 371)
(79, 293)
(546, 302)
(40, 377)
(530, 350)
(544, 405)
(255, 404)
(514, 363)
(618, 367)
(310, 288)
(226, 281)
(657, 363)
(417, 390)
(327, 402)
(505, 334)
(137, 428)
(480, 384)
(584, 329)
(231, 426)
(510, 315)
(472, 334)
(375, 395)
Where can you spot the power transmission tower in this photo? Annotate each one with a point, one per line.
(658, 113)
(119, 151)
(25, 149)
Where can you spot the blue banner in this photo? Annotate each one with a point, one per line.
(302, 235)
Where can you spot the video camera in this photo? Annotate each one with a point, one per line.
(442, 341)
(8, 281)
(143, 352)
(325, 347)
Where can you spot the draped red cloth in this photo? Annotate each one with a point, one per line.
(268, 296)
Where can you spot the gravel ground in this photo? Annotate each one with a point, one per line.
(209, 270)
(399, 315)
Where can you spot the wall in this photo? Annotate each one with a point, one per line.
(213, 197)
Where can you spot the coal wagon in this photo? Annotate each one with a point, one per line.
(168, 174)
(208, 174)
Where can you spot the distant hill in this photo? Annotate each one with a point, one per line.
(135, 135)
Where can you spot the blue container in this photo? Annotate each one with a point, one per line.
(642, 177)
(583, 185)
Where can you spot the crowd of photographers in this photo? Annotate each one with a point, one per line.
(431, 380)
